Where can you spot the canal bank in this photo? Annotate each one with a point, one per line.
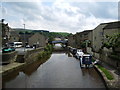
(60, 71)
(41, 54)
(107, 71)
(110, 84)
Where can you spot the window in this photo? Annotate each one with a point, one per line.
(101, 33)
(95, 37)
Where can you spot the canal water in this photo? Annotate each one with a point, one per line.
(60, 71)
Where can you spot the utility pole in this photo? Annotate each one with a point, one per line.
(24, 37)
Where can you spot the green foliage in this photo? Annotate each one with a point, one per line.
(83, 45)
(47, 51)
(41, 54)
(112, 41)
(49, 47)
(59, 34)
(26, 32)
(93, 60)
(107, 45)
(50, 35)
(51, 38)
(106, 72)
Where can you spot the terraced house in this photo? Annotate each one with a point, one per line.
(84, 37)
(100, 32)
(80, 38)
(5, 34)
(37, 39)
(71, 41)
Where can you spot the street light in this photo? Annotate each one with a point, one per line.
(24, 37)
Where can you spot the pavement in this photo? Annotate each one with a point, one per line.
(22, 50)
(4, 69)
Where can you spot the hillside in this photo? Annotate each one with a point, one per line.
(46, 33)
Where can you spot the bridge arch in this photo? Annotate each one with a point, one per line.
(60, 41)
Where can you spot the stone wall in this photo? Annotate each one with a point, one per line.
(9, 57)
(96, 55)
(103, 56)
(31, 55)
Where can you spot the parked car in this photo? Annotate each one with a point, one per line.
(8, 49)
(28, 46)
(79, 53)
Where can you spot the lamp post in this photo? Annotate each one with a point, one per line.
(24, 37)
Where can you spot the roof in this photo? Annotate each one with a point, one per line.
(85, 31)
(112, 25)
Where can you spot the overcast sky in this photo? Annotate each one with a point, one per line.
(58, 15)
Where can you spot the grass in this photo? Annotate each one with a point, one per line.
(93, 60)
(106, 72)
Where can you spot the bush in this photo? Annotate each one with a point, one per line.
(47, 51)
(49, 48)
(41, 55)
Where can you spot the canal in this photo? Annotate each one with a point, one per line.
(60, 71)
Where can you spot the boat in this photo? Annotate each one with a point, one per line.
(86, 61)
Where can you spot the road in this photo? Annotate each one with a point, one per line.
(22, 50)
(60, 71)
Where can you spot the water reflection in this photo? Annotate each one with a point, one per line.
(28, 70)
(60, 71)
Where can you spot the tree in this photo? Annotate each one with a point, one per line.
(51, 38)
(112, 41)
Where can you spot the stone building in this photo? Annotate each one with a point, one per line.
(14, 36)
(71, 41)
(98, 37)
(110, 30)
(84, 36)
(37, 39)
(24, 38)
(100, 32)
(5, 33)
(77, 39)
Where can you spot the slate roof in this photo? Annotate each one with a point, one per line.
(112, 25)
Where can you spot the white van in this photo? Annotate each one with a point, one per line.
(18, 44)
